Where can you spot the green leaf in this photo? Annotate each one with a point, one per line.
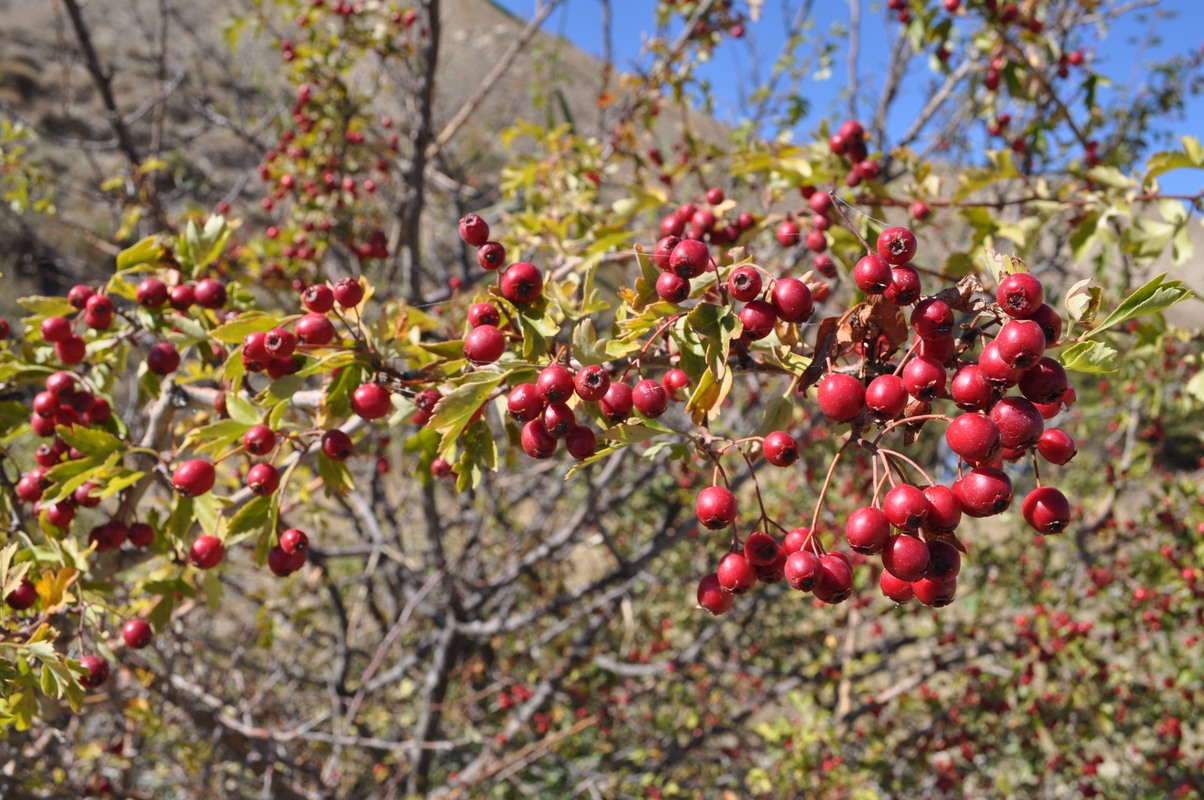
(1089, 357)
(1155, 296)
(454, 410)
(250, 517)
(91, 441)
(336, 478)
(147, 251)
(1111, 176)
(234, 331)
(215, 437)
(715, 325)
(47, 306)
(241, 409)
(1191, 157)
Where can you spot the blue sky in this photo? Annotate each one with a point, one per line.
(1117, 55)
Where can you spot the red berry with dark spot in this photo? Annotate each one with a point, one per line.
(835, 583)
(559, 419)
(315, 330)
(716, 507)
(1050, 322)
(318, 299)
(616, 404)
(984, 492)
(1044, 382)
(79, 295)
(581, 442)
(760, 549)
(944, 509)
(787, 233)
(997, 370)
(932, 319)
(792, 300)
(650, 398)
(96, 671)
(758, 318)
(924, 378)
(163, 358)
(689, 258)
(536, 440)
(337, 445)
(283, 564)
(483, 314)
(936, 594)
(736, 574)
(1020, 342)
(194, 478)
(294, 541)
(906, 557)
(142, 535)
(970, 389)
(263, 480)
(944, 561)
(555, 383)
(672, 288)
(1046, 509)
(803, 570)
(886, 396)
(182, 297)
(904, 288)
(897, 245)
(975, 437)
(867, 530)
(522, 283)
(906, 507)
(22, 597)
(1020, 295)
(744, 283)
(474, 231)
(780, 448)
(279, 343)
(1019, 421)
(151, 293)
(1056, 446)
(210, 293)
(348, 293)
(894, 589)
(872, 274)
(491, 256)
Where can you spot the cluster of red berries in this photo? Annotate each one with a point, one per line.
(700, 222)
(912, 529)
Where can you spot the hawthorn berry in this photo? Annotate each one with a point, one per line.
(474, 231)
(137, 633)
(141, 535)
(895, 589)
(96, 671)
(758, 318)
(906, 557)
(536, 441)
(317, 299)
(559, 419)
(1044, 382)
(803, 570)
(672, 288)
(484, 344)
(1020, 342)
(1020, 295)
(791, 300)
(924, 378)
(867, 530)
(254, 347)
(984, 492)
(194, 478)
(1046, 509)
(491, 256)
(996, 369)
(371, 401)
(23, 597)
(206, 552)
(1056, 446)
(522, 283)
(210, 293)
(835, 583)
(944, 509)
(970, 389)
(294, 541)
(712, 596)
(886, 396)
(279, 343)
(760, 549)
(936, 594)
(315, 330)
(182, 297)
(163, 358)
(975, 437)
(56, 329)
(283, 564)
(944, 561)
(650, 398)
(906, 507)
(483, 314)
(896, 245)
(263, 479)
(716, 507)
(787, 233)
(674, 381)
(581, 442)
(736, 574)
(591, 382)
(662, 251)
(1049, 322)
(1019, 421)
(337, 445)
(348, 293)
(904, 288)
(555, 383)
(872, 274)
(744, 283)
(932, 319)
(689, 258)
(780, 448)
(78, 295)
(841, 397)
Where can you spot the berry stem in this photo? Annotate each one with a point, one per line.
(838, 204)
(896, 454)
(819, 503)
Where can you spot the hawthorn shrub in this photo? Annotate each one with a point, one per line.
(356, 489)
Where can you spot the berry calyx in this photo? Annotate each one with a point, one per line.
(897, 245)
(522, 283)
(1020, 295)
(337, 445)
(97, 671)
(1046, 509)
(744, 283)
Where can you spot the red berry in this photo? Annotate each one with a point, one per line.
(984, 492)
(483, 314)
(22, 597)
(941, 349)
(672, 226)
(867, 530)
(944, 509)
(906, 557)
(886, 396)
(924, 378)
(474, 231)
(163, 358)
(872, 274)
(712, 596)
(841, 397)
(1020, 342)
(536, 440)
(137, 633)
(182, 297)
(791, 300)
(714, 195)
(835, 583)
(210, 293)
(674, 381)
(263, 479)
(736, 574)
(348, 293)
(1056, 446)
(690, 258)
(56, 329)
(142, 535)
(996, 369)
(787, 233)
(555, 383)
(206, 552)
(254, 349)
(744, 283)
(559, 419)
(897, 245)
(194, 478)
(716, 507)
(318, 299)
(591, 383)
(672, 288)
(315, 330)
(780, 448)
(1044, 382)
(337, 445)
(1050, 323)
(975, 437)
(803, 570)
(906, 507)
(944, 561)
(294, 541)
(1019, 421)
(758, 318)
(932, 319)
(936, 594)
(894, 589)
(616, 404)
(760, 549)
(650, 398)
(491, 256)
(484, 345)
(581, 442)
(79, 295)
(662, 251)
(97, 671)
(522, 283)
(371, 401)
(970, 389)
(1020, 295)
(284, 564)
(904, 288)
(920, 211)
(279, 343)
(1046, 509)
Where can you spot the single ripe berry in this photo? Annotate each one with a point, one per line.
(975, 437)
(315, 330)
(904, 288)
(787, 233)
(970, 389)
(348, 293)
(760, 549)
(825, 266)
(906, 507)
(559, 419)
(997, 370)
(897, 245)
(194, 478)
(337, 445)
(283, 564)
(675, 382)
(792, 300)
(371, 401)
(984, 492)
(78, 295)
(97, 671)
(650, 398)
(474, 231)
(944, 561)
(672, 225)
(1046, 509)
(206, 552)
(872, 274)
(279, 343)
(841, 397)
(483, 314)
(85, 495)
(714, 195)
(491, 256)
(22, 597)
(803, 570)
(867, 530)
(71, 350)
(744, 283)
(137, 633)
(555, 383)
(924, 378)
(536, 440)
(182, 297)
(689, 258)
(591, 382)
(1019, 421)
(780, 448)
(816, 241)
(484, 344)
(944, 509)
(142, 535)
(616, 405)
(835, 583)
(254, 349)
(294, 541)
(581, 442)
(151, 293)
(894, 589)
(1050, 322)
(672, 288)
(210, 293)
(932, 319)
(56, 329)
(663, 250)
(263, 480)
(758, 318)
(886, 396)
(736, 574)
(906, 557)
(163, 358)
(1020, 295)
(1020, 342)
(712, 596)
(522, 283)
(936, 594)
(1044, 382)
(318, 298)
(716, 507)
(1056, 446)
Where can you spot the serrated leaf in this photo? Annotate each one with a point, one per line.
(241, 409)
(336, 478)
(47, 306)
(1110, 176)
(1083, 301)
(215, 437)
(250, 517)
(1093, 357)
(147, 251)
(1158, 294)
(708, 396)
(1191, 157)
(234, 331)
(716, 325)
(91, 441)
(453, 411)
